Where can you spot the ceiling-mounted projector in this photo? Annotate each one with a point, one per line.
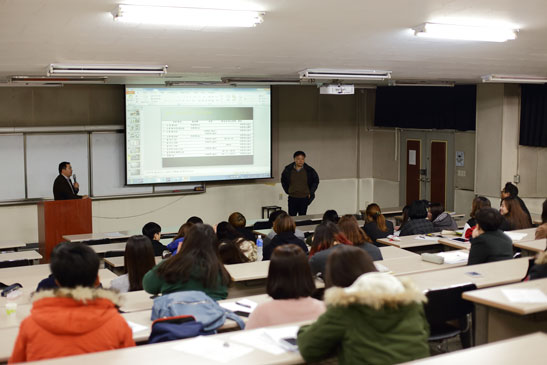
(337, 89)
(339, 74)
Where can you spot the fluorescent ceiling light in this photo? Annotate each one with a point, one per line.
(188, 16)
(107, 70)
(465, 32)
(260, 81)
(514, 79)
(46, 81)
(422, 83)
(340, 74)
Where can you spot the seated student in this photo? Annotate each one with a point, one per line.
(291, 285)
(76, 318)
(194, 220)
(441, 220)
(195, 267)
(371, 317)
(326, 239)
(513, 215)
(489, 244)
(139, 259)
(227, 233)
(376, 226)
(298, 233)
(479, 202)
(541, 231)
(404, 219)
(417, 223)
(153, 232)
(230, 253)
(511, 191)
(330, 216)
(238, 221)
(284, 228)
(350, 228)
(174, 246)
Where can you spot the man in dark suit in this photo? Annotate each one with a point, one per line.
(63, 188)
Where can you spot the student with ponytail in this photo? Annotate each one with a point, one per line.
(376, 226)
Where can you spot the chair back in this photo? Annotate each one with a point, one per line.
(447, 304)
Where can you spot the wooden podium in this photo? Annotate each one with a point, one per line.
(61, 217)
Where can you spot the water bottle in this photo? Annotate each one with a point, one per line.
(259, 247)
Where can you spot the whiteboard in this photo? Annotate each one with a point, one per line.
(12, 167)
(45, 152)
(108, 166)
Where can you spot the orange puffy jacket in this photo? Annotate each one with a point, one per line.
(66, 322)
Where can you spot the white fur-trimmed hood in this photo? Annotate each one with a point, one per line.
(375, 290)
(80, 293)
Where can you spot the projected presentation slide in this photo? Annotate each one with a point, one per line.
(197, 134)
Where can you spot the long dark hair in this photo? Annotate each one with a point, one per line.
(199, 253)
(183, 230)
(515, 215)
(374, 214)
(324, 237)
(139, 259)
(345, 264)
(289, 274)
(226, 232)
(350, 228)
(478, 203)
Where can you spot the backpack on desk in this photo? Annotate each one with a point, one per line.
(197, 304)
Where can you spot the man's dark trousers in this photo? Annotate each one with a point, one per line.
(298, 206)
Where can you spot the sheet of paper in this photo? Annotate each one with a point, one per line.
(113, 234)
(380, 267)
(394, 237)
(266, 339)
(235, 307)
(135, 327)
(212, 349)
(525, 295)
(516, 236)
(412, 157)
(454, 257)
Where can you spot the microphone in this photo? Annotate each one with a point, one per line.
(74, 177)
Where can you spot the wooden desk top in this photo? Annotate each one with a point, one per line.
(166, 353)
(31, 279)
(136, 301)
(4, 245)
(392, 252)
(249, 271)
(414, 264)
(456, 244)
(534, 246)
(410, 241)
(530, 234)
(120, 246)
(117, 235)
(490, 274)
(527, 350)
(20, 255)
(536, 218)
(494, 297)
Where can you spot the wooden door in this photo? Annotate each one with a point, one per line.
(413, 166)
(438, 170)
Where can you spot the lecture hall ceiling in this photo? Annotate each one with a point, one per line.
(296, 34)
